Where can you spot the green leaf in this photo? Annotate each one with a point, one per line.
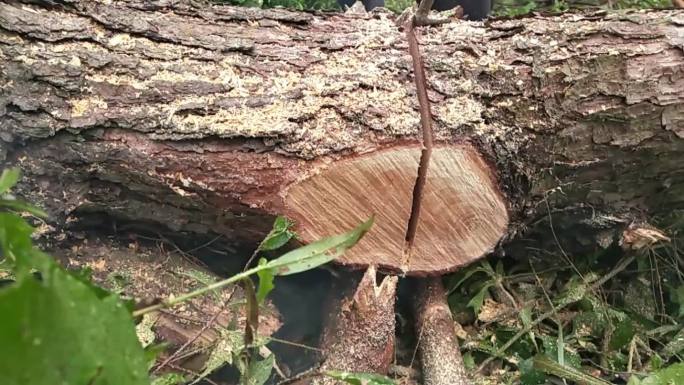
(467, 274)
(359, 378)
(265, 282)
(23, 206)
(229, 343)
(547, 365)
(15, 237)
(678, 298)
(319, 252)
(57, 331)
(529, 375)
(623, 334)
(278, 236)
(153, 351)
(478, 299)
(469, 361)
(169, 379)
(8, 179)
(258, 372)
(575, 290)
(672, 375)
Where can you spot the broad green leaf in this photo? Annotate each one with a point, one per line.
(15, 238)
(319, 252)
(478, 299)
(672, 375)
(229, 343)
(169, 379)
(57, 331)
(529, 375)
(469, 361)
(552, 351)
(622, 335)
(22, 206)
(258, 371)
(8, 179)
(655, 362)
(466, 275)
(265, 282)
(278, 236)
(549, 366)
(153, 351)
(575, 290)
(359, 378)
(678, 298)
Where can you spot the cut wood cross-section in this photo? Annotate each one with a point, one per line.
(463, 214)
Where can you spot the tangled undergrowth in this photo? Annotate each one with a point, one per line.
(615, 316)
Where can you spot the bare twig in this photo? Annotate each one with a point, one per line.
(426, 123)
(311, 372)
(191, 372)
(204, 328)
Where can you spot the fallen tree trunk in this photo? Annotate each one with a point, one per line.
(113, 108)
(571, 115)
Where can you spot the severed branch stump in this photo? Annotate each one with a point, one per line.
(437, 342)
(360, 337)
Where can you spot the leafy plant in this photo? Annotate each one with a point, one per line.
(613, 311)
(671, 375)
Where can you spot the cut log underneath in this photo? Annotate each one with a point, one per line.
(361, 337)
(463, 214)
(437, 342)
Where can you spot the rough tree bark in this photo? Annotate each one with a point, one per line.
(202, 115)
(201, 119)
(440, 355)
